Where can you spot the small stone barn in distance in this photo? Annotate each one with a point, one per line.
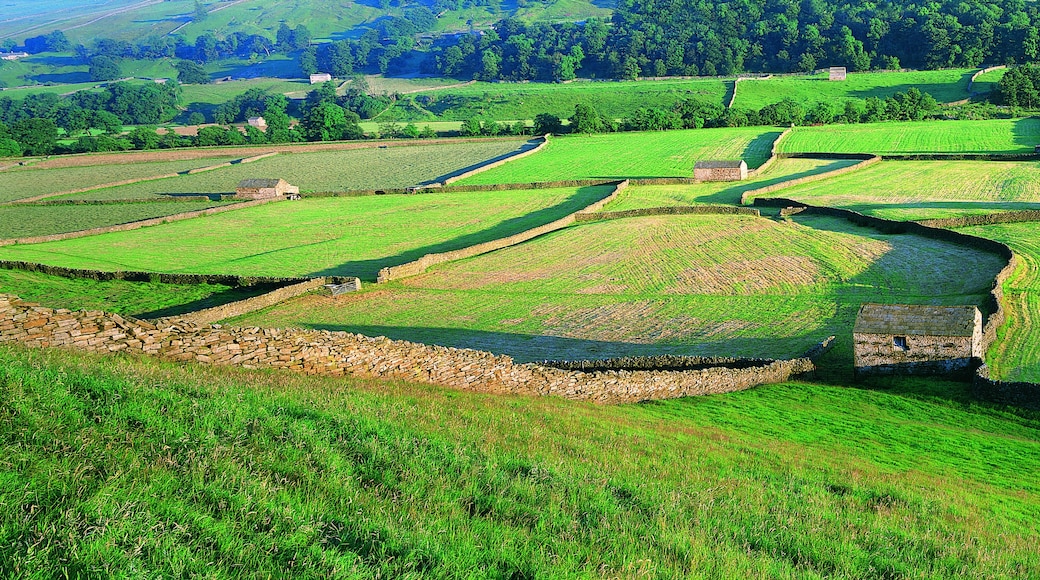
(908, 339)
(837, 73)
(720, 170)
(265, 189)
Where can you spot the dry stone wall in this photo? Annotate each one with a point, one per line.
(341, 353)
(668, 210)
(868, 160)
(240, 307)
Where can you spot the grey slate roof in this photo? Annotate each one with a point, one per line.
(911, 319)
(257, 182)
(718, 164)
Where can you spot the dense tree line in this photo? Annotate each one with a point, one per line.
(1020, 87)
(713, 37)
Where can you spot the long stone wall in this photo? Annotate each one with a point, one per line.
(1004, 217)
(419, 266)
(867, 161)
(240, 307)
(773, 154)
(499, 163)
(668, 210)
(341, 353)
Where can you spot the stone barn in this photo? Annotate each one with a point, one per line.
(320, 78)
(265, 189)
(258, 122)
(720, 170)
(908, 339)
(837, 73)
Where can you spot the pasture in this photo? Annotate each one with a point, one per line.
(927, 189)
(323, 171)
(699, 285)
(902, 137)
(348, 236)
(19, 221)
(987, 82)
(945, 85)
(393, 479)
(633, 155)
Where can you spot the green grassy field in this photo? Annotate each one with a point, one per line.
(352, 169)
(705, 285)
(987, 82)
(18, 221)
(352, 236)
(115, 464)
(994, 136)
(22, 183)
(644, 196)
(217, 93)
(633, 155)
(137, 299)
(927, 189)
(945, 85)
(525, 100)
(1015, 355)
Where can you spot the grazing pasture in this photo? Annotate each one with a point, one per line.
(349, 236)
(903, 137)
(633, 155)
(987, 82)
(927, 189)
(1015, 356)
(703, 285)
(945, 85)
(20, 221)
(351, 169)
(785, 480)
(22, 183)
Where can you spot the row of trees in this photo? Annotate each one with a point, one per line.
(1020, 87)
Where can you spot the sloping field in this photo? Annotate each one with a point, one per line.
(615, 99)
(370, 168)
(945, 85)
(992, 136)
(352, 236)
(927, 189)
(222, 470)
(19, 221)
(987, 82)
(1015, 356)
(633, 155)
(720, 285)
(23, 183)
(644, 196)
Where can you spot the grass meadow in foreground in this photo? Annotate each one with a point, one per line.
(17, 221)
(927, 189)
(903, 137)
(121, 466)
(352, 169)
(633, 155)
(349, 236)
(23, 183)
(702, 285)
(1015, 355)
(945, 85)
(137, 299)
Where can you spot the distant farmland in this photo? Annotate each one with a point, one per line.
(995, 136)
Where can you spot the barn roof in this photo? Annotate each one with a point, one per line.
(912, 319)
(719, 164)
(249, 183)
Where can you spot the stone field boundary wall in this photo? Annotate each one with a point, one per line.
(668, 210)
(138, 224)
(419, 266)
(773, 155)
(240, 307)
(165, 278)
(979, 73)
(341, 353)
(1004, 217)
(867, 161)
(488, 166)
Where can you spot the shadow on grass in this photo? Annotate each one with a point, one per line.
(967, 206)
(216, 299)
(369, 269)
(941, 91)
(732, 195)
(1026, 132)
(527, 146)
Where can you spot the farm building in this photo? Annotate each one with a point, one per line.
(257, 122)
(837, 73)
(914, 339)
(320, 78)
(720, 170)
(265, 188)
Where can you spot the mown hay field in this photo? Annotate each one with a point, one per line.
(222, 470)
(633, 155)
(22, 183)
(903, 137)
(614, 99)
(705, 285)
(349, 236)
(20, 221)
(352, 169)
(647, 196)
(1015, 356)
(927, 189)
(945, 85)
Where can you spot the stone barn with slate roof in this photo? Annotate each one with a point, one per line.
(720, 170)
(265, 189)
(911, 339)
